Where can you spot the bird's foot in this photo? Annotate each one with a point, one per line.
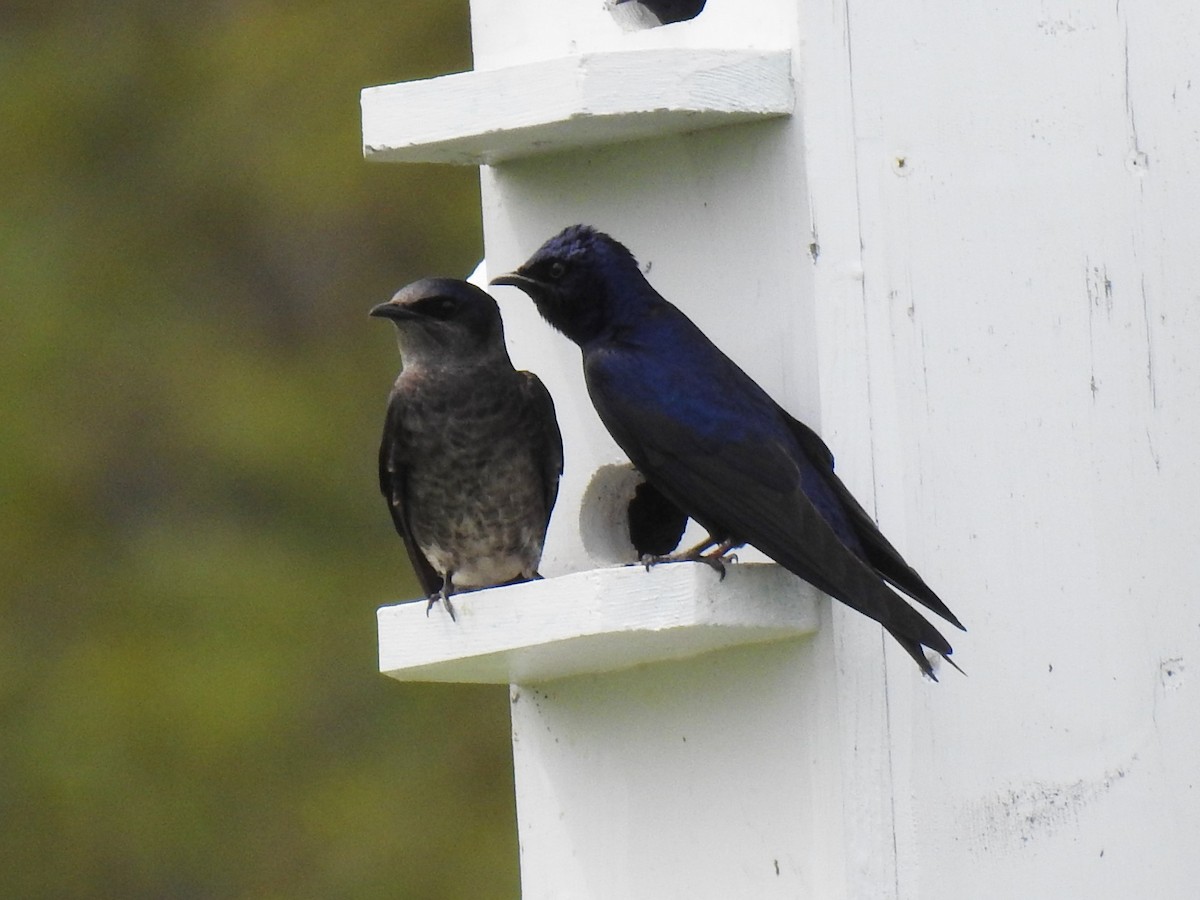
(719, 557)
(648, 560)
(443, 596)
(716, 559)
(691, 555)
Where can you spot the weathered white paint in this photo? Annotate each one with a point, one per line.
(651, 799)
(1027, 327)
(552, 105)
(596, 621)
(970, 261)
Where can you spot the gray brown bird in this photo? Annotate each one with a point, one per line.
(471, 452)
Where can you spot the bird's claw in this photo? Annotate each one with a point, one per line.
(714, 560)
(717, 560)
(650, 559)
(445, 598)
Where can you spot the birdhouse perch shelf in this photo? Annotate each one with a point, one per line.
(602, 620)
(489, 116)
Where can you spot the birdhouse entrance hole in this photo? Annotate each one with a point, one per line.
(637, 15)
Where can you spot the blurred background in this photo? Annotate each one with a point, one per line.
(193, 543)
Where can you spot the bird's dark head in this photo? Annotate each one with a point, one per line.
(444, 319)
(582, 281)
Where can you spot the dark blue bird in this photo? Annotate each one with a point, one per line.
(471, 452)
(713, 442)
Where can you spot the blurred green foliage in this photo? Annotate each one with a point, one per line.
(190, 399)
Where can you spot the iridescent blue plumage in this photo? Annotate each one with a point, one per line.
(712, 441)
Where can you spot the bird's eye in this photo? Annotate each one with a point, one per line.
(436, 307)
(557, 270)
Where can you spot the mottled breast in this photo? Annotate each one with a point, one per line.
(475, 491)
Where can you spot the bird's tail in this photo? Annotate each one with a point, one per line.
(913, 632)
(914, 648)
(886, 559)
(880, 554)
(857, 585)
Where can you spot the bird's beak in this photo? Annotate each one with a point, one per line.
(517, 280)
(393, 311)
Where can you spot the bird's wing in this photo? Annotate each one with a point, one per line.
(548, 437)
(393, 478)
(880, 553)
(751, 486)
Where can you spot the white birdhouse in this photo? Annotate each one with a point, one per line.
(961, 244)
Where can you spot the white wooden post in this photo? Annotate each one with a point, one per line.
(961, 242)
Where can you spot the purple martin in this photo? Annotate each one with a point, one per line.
(471, 452)
(713, 442)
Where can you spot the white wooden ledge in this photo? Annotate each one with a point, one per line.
(488, 116)
(597, 621)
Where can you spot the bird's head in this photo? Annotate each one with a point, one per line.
(444, 320)
(582, 281)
